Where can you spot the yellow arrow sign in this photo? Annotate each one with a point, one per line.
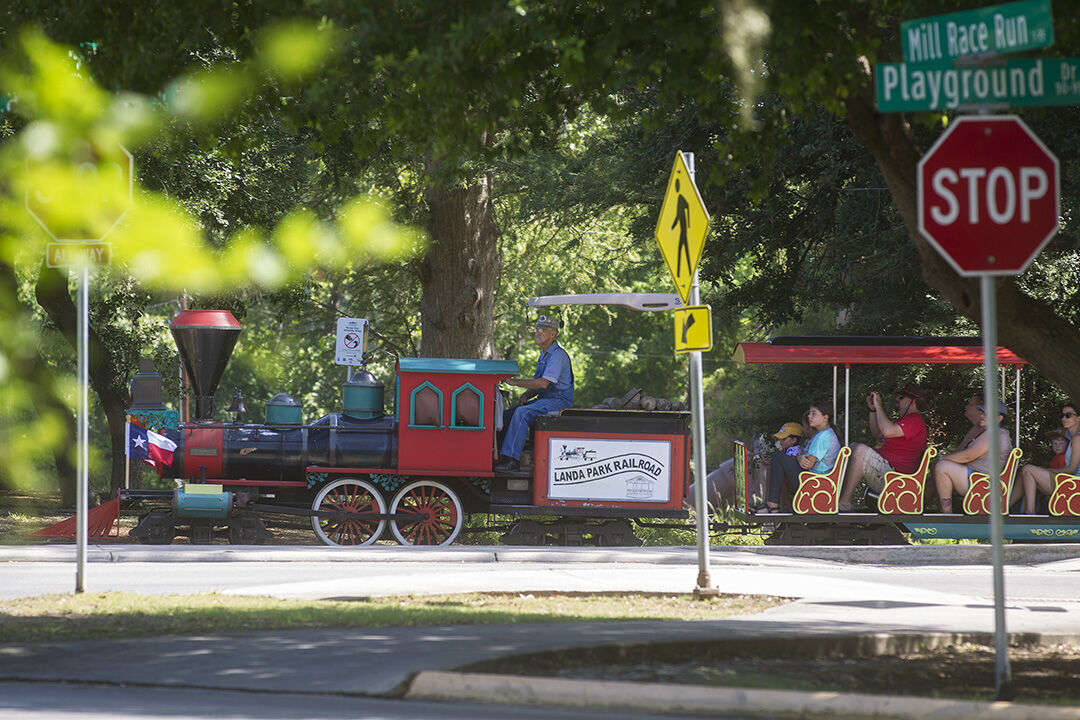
(693, 329)
(682, 227)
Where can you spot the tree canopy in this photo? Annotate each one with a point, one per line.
(532, 141)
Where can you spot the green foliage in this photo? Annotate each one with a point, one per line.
(576, 110)
(67, 155)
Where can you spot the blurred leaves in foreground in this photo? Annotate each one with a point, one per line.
(68, 175)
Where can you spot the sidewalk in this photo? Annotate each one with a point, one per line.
(921, 555)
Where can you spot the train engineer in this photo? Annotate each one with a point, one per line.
(550, 389)
(904, 442)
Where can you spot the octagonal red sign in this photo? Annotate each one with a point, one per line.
(989, 196)
(86, 204)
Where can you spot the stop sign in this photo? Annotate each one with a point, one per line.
(988, 195)
(84, 196)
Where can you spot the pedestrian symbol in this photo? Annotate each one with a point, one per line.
(681, 229)
(693, 329)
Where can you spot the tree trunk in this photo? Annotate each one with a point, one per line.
(107, 378)
(1027, 326)
(458, 274)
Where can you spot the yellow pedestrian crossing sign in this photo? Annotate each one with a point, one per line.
(682, 227)
(693, 329)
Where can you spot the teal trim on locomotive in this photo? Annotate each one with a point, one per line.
(412, 405)
(467, 387)
(456, 365)
(981, 531)
(201, 504)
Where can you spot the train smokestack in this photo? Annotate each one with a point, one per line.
(205, 339)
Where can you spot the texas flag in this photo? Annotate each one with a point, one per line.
(148, 446)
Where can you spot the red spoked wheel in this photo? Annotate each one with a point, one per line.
(437, 514)
(349, 495)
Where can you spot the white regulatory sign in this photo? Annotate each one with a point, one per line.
(631, 471)
(351, 341)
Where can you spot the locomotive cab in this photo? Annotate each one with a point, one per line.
(447, 412)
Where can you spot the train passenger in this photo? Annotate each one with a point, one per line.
(1039, 479)
(1059, 443)
(721, 482)
(952, 472)
(971, 412)
(550, 389)
(819, 455)
(903, 442)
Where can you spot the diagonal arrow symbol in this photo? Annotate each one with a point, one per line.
(686, 328)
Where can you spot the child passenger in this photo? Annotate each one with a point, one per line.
(1058, 444)
(819, 456)
(1039, 479)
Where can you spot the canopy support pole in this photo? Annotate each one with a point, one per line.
(847, 403)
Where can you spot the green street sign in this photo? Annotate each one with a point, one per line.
(1012, 27)
(906, 87)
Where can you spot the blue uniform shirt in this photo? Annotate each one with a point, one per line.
(554, 366)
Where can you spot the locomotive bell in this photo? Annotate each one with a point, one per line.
(362, 396)
(282, 409)
(205, 339)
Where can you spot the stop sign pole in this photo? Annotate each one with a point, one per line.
(989, 201)
(77, 247)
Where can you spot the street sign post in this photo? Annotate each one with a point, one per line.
(942, 85)
(989, 201)
(680, 232)
(78, 210)
(682, 226)
(693, 329)
(988, 195)
(1011, 27)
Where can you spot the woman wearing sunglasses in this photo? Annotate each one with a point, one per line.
(1040, 479)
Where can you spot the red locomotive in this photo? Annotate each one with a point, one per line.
(416, 471)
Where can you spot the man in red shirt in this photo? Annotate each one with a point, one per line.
(903, 442)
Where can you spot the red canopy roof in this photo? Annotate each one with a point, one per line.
(868, 354)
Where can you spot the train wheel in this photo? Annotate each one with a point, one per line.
(349, 495)
(438, 510)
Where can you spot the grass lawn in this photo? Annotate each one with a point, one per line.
(113, 614)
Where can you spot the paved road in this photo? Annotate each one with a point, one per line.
(1033, 575)
(32, 701)
(840, 593)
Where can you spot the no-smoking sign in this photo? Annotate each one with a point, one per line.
(351, 334)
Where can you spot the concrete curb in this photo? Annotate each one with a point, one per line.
(786, 645)
(709, 701)
(918, 555)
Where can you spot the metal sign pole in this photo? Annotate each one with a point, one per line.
(697, 410)
(1002, 671)
(82, 488)
(697, 415)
